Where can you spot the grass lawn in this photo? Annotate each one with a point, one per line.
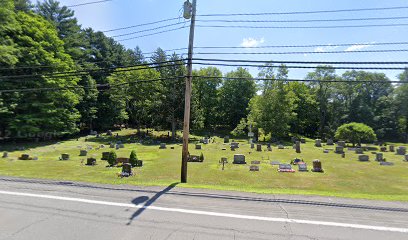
(343, 177)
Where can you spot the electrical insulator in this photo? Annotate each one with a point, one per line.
(188, 9)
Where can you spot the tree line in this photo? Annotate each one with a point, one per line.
(38, 41)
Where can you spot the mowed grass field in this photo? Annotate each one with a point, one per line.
(343, 177)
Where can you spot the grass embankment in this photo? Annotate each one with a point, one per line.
(343, 177)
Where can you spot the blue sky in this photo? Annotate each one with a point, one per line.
(122, 13)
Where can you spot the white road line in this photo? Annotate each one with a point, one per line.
(216, 214)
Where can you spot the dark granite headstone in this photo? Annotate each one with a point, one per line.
(254, 168)
(239, 159)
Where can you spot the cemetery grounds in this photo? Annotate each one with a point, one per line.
(342, 177)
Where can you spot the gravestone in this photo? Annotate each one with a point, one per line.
(392, 148)
(359, 151)
(275, 163)
(122, 160)
(91, 161)
(105, 156)
(89, 148)
(162, 146)
(281, 147)
(379, 157)
(325, 151)
(198, 146)
(65, 156)
(254, 168)
(318, 143)
(35, 158)
(239, 159)
(226, 139)
(109, 133)
(259, 148)
(268, 145)
(317, 166)
(205, 140)
(383, 149)
(330, 141)
(112, 145)
(194, 158)
(83, 153)
(406, 157)
(5, 155)
(341, 143)
(255, 162)
(252, 145)
(102, 146)
(223, 149)
(401, 150)
(234, 145)
(363, 158)
(126, 170)
(285, 168)
(302, 140)
(339, 149)
(298, 147)
(302, 167)
(343, 155)
(386, 164)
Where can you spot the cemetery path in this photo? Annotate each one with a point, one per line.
(52, 210)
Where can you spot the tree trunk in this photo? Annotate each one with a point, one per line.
(173, 129)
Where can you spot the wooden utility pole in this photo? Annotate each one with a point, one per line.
(186, 125)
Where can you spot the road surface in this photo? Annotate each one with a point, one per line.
(53, 210)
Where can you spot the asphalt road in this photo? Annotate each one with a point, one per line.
(52, 210)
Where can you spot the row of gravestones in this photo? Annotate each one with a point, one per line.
(240, 159)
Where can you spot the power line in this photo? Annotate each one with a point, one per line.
(288, 53)
(88, 3)
(303, 12)
(300, 67)
(305, 46)
(299, 62)
(88, 71)
(306, 27)
(299, 80)
(85, 87)
(302, 20)
(148, 30)
(141, 25)
(151, 34)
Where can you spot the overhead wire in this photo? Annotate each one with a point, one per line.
(301, 52)
(304, 12)
(88, 3)
(302, 20)
(149, 30)
(300, 62)
(305, 27)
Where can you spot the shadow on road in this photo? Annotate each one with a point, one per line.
(204, 194)
(148, 202)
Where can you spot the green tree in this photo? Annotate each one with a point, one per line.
(355, 133)
(401, 103)
(205, 97)
(322, 89)
(273, 111)
(34, 112)
(235, 95)
(112, 158)
(133, 158)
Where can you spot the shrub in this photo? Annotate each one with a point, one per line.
(112, 158)
(355, 133)
(201, 157)
(133, 158)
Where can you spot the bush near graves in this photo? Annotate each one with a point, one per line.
(356, 133)
(112, 158)
(133, 158)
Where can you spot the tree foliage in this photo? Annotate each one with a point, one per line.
(355, 133)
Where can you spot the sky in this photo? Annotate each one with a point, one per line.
(122, 13)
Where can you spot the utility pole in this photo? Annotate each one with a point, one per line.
(187, 99)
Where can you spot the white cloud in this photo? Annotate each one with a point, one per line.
(251, 42)
(357, 47)
(325, 48)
